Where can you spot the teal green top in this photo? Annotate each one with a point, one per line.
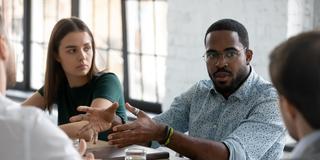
(102, 85)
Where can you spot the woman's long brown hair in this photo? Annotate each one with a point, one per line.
(55, 75)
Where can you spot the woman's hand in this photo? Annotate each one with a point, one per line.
(72, 130)
(99, 119)
(89, 135)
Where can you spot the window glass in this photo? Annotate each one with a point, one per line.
(147, 48)
(104, 20)
(12, 12)
(44, 15)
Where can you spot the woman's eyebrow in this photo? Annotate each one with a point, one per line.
(70, 46)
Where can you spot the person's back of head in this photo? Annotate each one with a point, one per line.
(26, 132)
(295, 72)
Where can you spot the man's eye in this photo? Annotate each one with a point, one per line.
(230, 53)
(212, 54)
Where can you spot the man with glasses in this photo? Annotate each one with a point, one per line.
(234, 115)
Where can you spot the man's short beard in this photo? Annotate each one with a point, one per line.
(235, 83)
(228, 89)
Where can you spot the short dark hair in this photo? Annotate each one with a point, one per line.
(230, 25)
(295, 72)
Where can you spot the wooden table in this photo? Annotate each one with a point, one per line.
(102, 150)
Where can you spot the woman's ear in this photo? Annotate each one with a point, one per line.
(248, 54)
(4, 52)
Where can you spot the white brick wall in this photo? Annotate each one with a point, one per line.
(188, 20)
(300, 16)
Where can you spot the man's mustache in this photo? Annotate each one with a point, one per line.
(222, 70)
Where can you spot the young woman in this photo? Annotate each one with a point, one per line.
(72, 79)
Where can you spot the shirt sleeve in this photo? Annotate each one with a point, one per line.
(49, 142)
(109, 87)
(178, 115)
(261, 132)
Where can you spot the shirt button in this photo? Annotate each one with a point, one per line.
(214, 126)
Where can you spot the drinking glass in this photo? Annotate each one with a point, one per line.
(135, 154)
(76, 143)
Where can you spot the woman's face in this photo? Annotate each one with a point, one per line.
(75, 54)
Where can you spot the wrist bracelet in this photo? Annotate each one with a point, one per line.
(167, 134)
(169, 137)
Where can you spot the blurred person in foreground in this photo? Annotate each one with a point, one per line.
(26, 133)
(295, 72)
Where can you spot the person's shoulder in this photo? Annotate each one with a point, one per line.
(25, 119)
(40, 129)
(200, 87)
(105, 75)
(30, 114)
(204, 84)
(16, 112)
(32, 134)
(263, 88)
(313, 148)
(308, 155)
(46, 137)
(106, 79)
(6, 102)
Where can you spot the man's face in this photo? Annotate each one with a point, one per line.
(228, 71)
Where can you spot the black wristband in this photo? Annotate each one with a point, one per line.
(167, 134)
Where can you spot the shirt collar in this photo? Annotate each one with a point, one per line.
(243, 90)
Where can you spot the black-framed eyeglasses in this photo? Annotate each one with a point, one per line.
(228, 55)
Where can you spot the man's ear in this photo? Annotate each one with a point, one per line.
(4, 54)
(249, 54)
(288, 108)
